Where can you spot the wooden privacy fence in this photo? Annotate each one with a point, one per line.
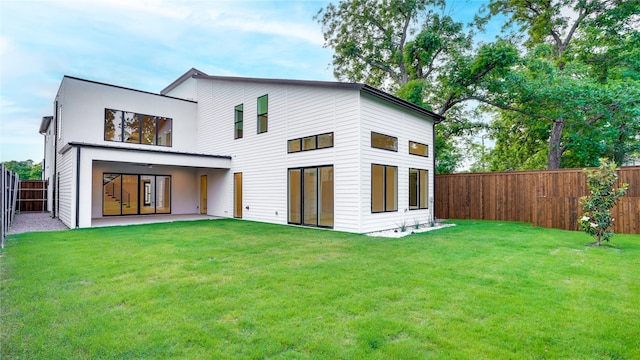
(32, 195)
(547, 198)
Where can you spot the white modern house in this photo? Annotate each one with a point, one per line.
(335, 155)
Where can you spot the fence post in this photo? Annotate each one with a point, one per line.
(3, 192)
(8, 194)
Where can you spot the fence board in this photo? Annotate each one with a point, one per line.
(547, 198)
(32, 196)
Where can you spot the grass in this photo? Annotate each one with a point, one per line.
(236, 289)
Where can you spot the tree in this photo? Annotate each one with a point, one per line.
(26, 170)
(578, 80)
(597, 220)
(408, 48)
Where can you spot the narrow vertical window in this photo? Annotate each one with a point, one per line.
(163, 194)
(423, 176)
(384, 188)
(263, 111)
(418, 189)
(295, 196)
(325, 196)
(391, 188)
(377, 188)
(59, 115)
(414, 187)
(164, 131)
(310, 196)
(237, 195)
(112, 125)
(131, 125)
(148, 127)
(238, 121)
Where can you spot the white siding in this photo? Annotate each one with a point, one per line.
(66, 188)
(207, 127)
(186, 90)
(83, 104)
(393, 121)
(49, 161)
(294, 111)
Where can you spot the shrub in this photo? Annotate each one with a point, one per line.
(597, 220)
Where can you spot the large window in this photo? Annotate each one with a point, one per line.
(418, 189)
(311, 196)
(238, 121)
(132, 194)
(130, 127)
(416, 148)
(263, 113)
(385, 142)
(310, 143)
(384, 188)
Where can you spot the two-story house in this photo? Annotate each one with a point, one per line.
(335, 155)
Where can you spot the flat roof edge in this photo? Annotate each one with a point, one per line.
(106, 147)
(126, 88)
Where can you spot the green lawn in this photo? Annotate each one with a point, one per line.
(236, 289)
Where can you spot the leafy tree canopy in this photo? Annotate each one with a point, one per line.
(411, 49)
(575, 90)
(26, 170)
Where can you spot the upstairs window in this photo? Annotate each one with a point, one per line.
(418, 149)
(294, 145)
(312, 142)
(385, 142)
(130, 127)
(238, 119)
(263, 113)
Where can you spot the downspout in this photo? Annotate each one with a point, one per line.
(54, 201)
(433, 211)
(77, 186)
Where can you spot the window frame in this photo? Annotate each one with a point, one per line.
(140, 195)
(265, 114)
(139, 120)
(237, 111)
(419, 184)
(384, 148)
(292, 141)
(301, 170)
(385, 189)
(316, 141)
(417, 143)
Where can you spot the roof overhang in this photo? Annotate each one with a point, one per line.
(336, 85)
(44, 124)
(188, 75)
(150, 156)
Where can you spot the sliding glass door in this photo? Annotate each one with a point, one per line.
(133, 194)
(310, 196)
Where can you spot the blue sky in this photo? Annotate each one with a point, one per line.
(146, 44)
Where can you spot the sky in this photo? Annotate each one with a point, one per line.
(146, 45)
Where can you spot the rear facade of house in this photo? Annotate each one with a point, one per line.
(333, 155)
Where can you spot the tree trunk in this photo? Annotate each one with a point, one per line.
(555, 147)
